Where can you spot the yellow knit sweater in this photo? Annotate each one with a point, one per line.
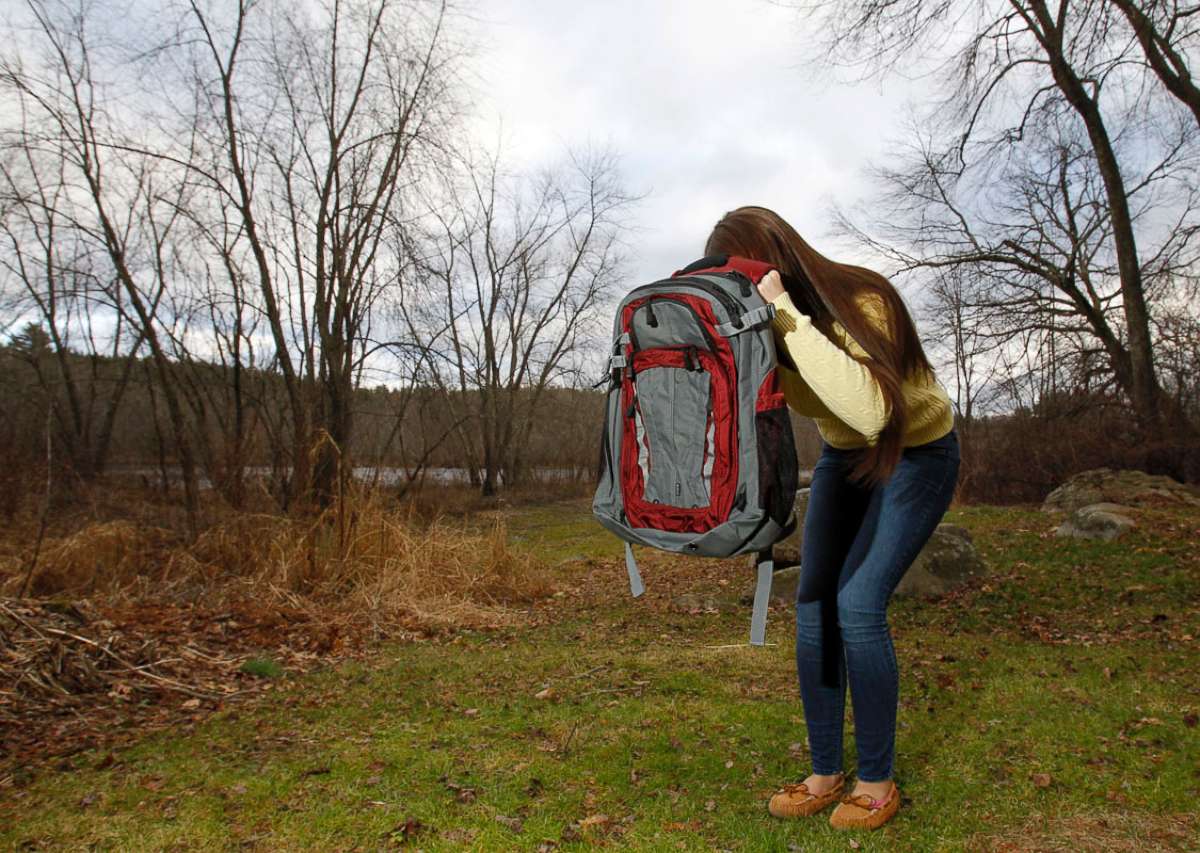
(839, 392)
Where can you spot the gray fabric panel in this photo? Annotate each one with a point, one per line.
(674, 405)
(744, 533)
(677, 326)
(608, 491)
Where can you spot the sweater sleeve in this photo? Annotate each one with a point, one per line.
(841, 383)
(800, 397)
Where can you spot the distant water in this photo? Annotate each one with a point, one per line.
(383, 475)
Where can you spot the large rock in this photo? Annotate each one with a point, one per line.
(946, 562)
(783, 588)
(1124, 487)
(1105, 521)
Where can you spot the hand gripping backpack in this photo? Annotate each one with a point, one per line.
(697, 452)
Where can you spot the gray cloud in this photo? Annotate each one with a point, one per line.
(709, 103)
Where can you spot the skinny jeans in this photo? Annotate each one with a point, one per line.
(858, 543)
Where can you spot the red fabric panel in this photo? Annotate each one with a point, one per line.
(770, 392)
(720, 366)
(753, 270)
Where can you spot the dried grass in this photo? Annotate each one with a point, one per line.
(364, 559)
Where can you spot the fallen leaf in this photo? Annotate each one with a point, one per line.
(593, 820)
(854, 845)
(1041, 780)
(513, 823)
(406, 831)
(710, 806)
(548, 693)
(471, 712)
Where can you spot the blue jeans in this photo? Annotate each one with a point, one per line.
(858, 543)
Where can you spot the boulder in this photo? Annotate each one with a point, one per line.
(946, 562)
(1124, 487)
(783, 588)
(1105, 521)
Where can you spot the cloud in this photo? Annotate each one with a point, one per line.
(710, 103)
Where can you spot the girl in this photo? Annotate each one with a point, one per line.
(850, 358)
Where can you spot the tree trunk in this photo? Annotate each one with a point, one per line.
(1143, 382)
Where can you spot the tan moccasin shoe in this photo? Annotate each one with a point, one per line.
(797, 801)
(864, 812)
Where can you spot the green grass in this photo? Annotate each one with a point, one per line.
(1046, 705)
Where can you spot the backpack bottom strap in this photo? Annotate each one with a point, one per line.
(636, 587)
(762, 595)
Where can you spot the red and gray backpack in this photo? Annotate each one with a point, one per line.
(697, 453)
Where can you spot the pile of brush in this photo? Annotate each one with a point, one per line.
(53, 656)
(125, 623)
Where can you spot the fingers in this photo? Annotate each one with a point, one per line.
(770, 286)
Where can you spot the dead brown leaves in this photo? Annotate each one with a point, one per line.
(81, 674)
(1105, 832)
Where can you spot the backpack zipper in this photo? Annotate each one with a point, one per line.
(730, 304)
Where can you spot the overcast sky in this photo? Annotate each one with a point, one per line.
(709, 103)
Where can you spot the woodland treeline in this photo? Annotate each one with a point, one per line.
(251, 236)
(237, 216)
(405, 439)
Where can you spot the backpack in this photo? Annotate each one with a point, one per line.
(697, 454)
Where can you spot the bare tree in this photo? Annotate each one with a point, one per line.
(120, 202)
(322, 119)
(1016, 68)
(1167, 32)
(79, 369)
(517, 274)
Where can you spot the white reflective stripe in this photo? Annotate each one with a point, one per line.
(643, 448)
(709, 449)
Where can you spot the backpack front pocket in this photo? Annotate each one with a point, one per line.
(675, 411)
(679, 448)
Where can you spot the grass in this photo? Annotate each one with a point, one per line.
(1051, 706)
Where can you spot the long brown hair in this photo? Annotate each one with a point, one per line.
(829, 291)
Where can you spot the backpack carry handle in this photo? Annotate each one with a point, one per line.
(753, 270)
